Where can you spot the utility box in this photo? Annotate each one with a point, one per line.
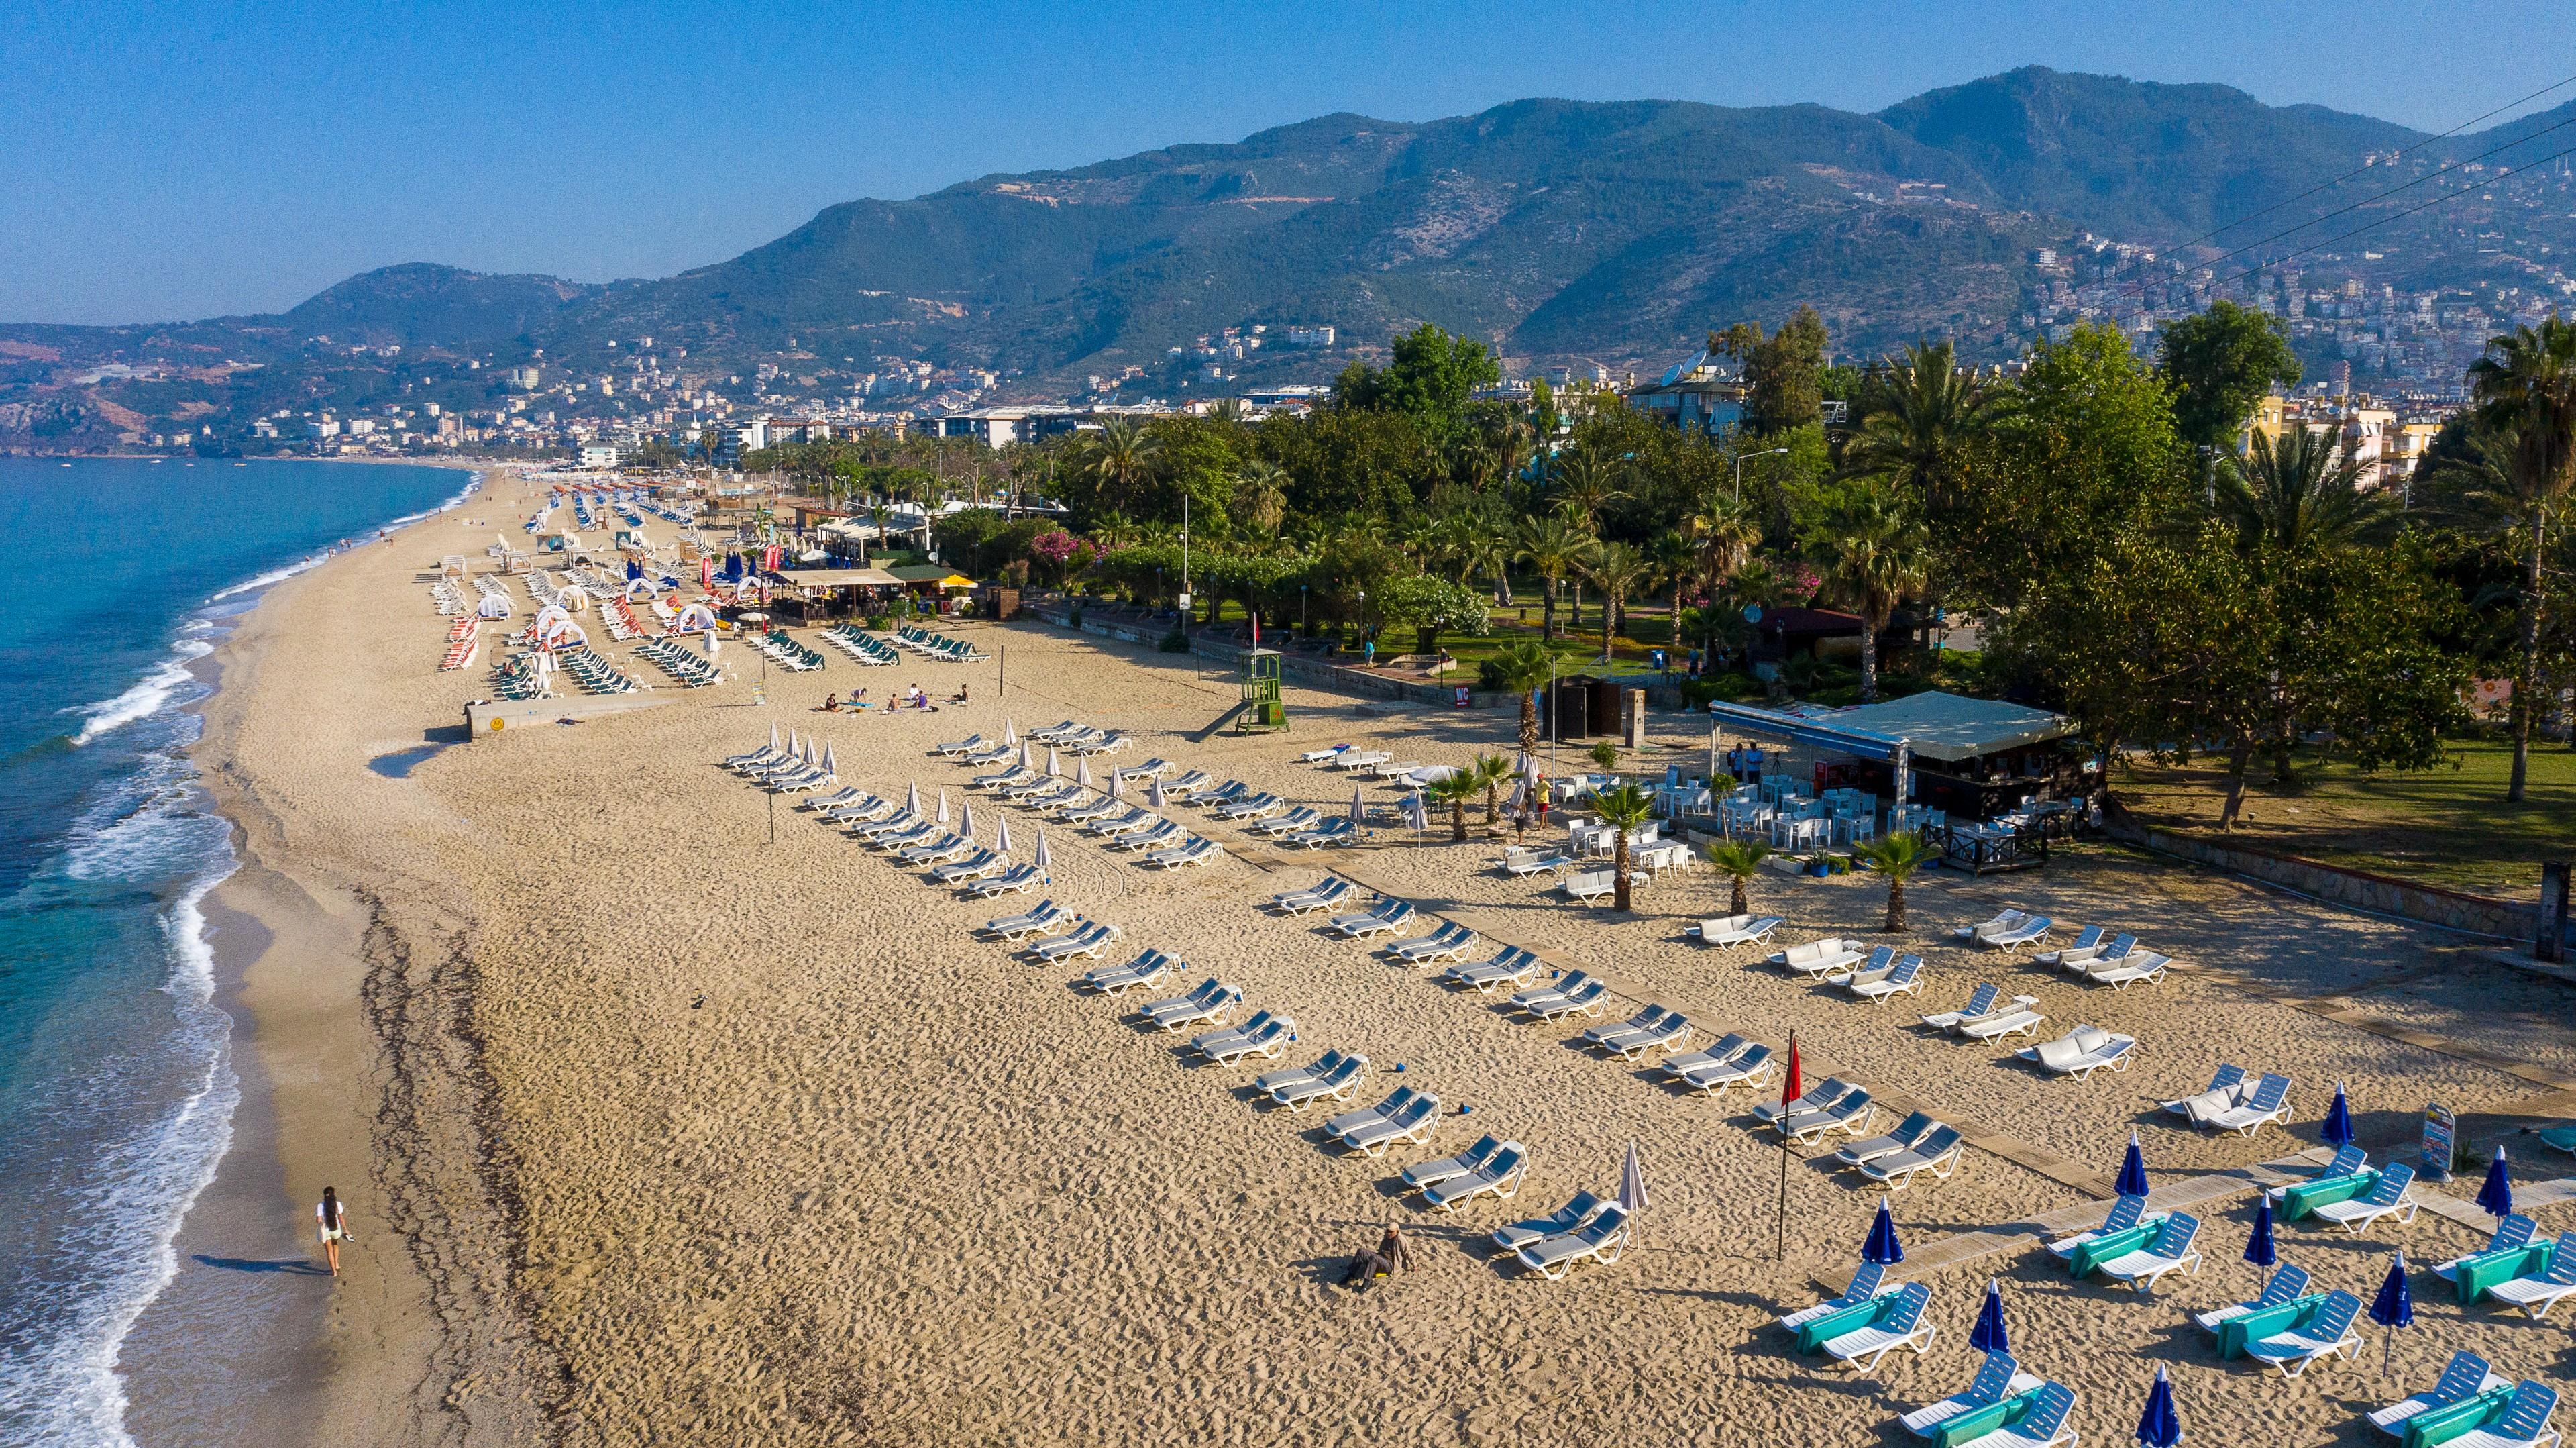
(1632, 723)
(1001, 604)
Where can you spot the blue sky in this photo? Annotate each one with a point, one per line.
(182, 160)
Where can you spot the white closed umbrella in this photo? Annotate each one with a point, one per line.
(1082, 774)
(1117, 785)
(969, 826)
(795, 744)
(773, 736)
(809, 753)
(830, 766)
(1028, 755)
(1039, 859)
(1055, 766)
(1359, 807)
(1002, 835)
(943, 805)
(912, 800)
(1010, 735)
(1158, 794)
(1632, 1182)
(1415, 814)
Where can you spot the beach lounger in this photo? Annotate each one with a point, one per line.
(1519, 863)
(1510, 966)
(2535, 1292)
(2034, 1419)
(1127, 821)
(1339, 1084)
(1044, 918)
(1601, 1239)
(1644, 1019)
(2326, 1332)
(1206, 1006)
(1251, 807)
(1819, 957)
(1156, 836)
(851, 794)
(2287, 1284)
(1265, 1035)
(1581, 1209)
(2005, 921)
(992, 754)
(974, 867)
(939, 847)
(1652, 1029)
(1582, 1000)
(2347, 1161)
(897, 838)
(1098, 808)
(866, 809)
(1322, 895)
(2267, 1102)
(2088, 943)
(1388, 914)
(1423, 1174)
(2518, 1418)
(1729, 930)
(967, 745)
(1322, 1066)
(1748, 1062)
(1590, 886)
(1325, 755)
(1338, 831)
(1903, 978)
(1497, 1176)
(1295, 822)
(1196, 851)
(2393, 1194)
(2464, 1377)
(1896, 1322)
(1981, 1003)
(1823, 1093)
(1939, 1153)
(1051, 733)
(1151, 769)
(1088, 941)
(2030, 930)
(1998, 1378)
(2081, 1052)
(1849, 1115)
(1449, 942)
(1146, 969)
(1387, 1127)
(2128, 1213)
(2127, 970)
(1916, 1127)
(2225, 1087)
(2514, 1231)
(1358, 759)
(2169, 1251)
(1564, 982)
(1195, 786)
(1868, 1284)
(1018, 877)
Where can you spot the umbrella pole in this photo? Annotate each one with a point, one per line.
(1780, 1220)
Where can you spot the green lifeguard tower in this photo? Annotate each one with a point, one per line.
(1261, 708)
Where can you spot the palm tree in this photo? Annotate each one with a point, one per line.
(1897, 856)
(1584, 482)
(1260, 500)
(1623, 807)
(1454, 790)
(1874, 555)
(1490, 770)
(1919, 422)
(1616, 569)
(1739, 859)
(2299, 495)
(1484, 548)
(1676, 562)
(1521, 666)
(2526, 389)
(1118, 457)
(1554, 547)
(1726, 531)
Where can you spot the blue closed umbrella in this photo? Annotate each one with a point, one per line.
(2338, 1130)
(2258, 1243)
(2132, 1181)
(2393, 1308)
(2160, 1426)
(1882, 1246)
(1988, 1334)
(2496, 1196)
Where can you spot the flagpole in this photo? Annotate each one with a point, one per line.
(1780, 1222)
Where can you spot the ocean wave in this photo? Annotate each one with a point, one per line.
(66, 1391)
(149, 695)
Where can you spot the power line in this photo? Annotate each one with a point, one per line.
(2382, 221)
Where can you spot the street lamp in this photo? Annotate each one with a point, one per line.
(1740, 459)
(759, 698)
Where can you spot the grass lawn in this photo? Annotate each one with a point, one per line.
(2445, 826)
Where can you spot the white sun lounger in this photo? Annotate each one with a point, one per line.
(1981, 1002)
(1903, 978)
(1819, 957)
(1590, 886)
(1265, 1035)
(1322, 1066)
(1090, 940)
(1713, 1071)
(1518, 863)
(1601, 1239)
(1018, 877)
(2226, 1088)
(967, 745)
(1198, 851)
(2088, 943)
(1325, 755)
(2287, 1284)
(1583, 1000)
(1295, 822)
(974, 867)
(1940, 1154)
(2393, 1194)
(1497, 1176)
(1159, 835)
(1727, 930)
(1358, 759)
(2267, 1102)
(1868, 1284)
(1208, 1005)
(1449, 942)
(2464, 1377)
(1146, 969)
(1337, 831)
(1387, 915)
(1998, 1378)
(1902, 1326)
(2128, 970)
(2005, 921)
(2328, 1332)
(1386, 1128)
(2029, 931)
(2081, 1052)
(1913, 1129)
(1322, 895)
(2126, 1212)
(1251, 807)
(1510, 966)
(2041, 1425)
(2539, 1292)
(1045, 918)
(1581, 1209)
(1423, 1174)
(1339, 1084)
(1100, 807)
(2170, 1251)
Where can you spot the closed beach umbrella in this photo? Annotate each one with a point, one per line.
(2132, 1181)
(2258, 1243)
(1988, 1335)
(1632, 1182)
(2496, 1196)
(1082, 775)
(970, 819)
(1157, 794)
(1055, 766)
(943, 805)
(912, 799)
(830, 767)
(1002, 835)
(2393, 1308)
(1117, 785)
(795, 743)
(1359, 807)
(1791, 1088)
(2160, 1426)
(1040, 859)
(2338, 1130)
(810, 758)
(773, 736)
(1028, 755)
(1414, 813)
(1881, 1246)
(1010, 734)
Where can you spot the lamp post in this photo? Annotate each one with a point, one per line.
(1301, 611)
(1741, 459)
(760, 697)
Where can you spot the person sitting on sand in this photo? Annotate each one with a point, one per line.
(333, 1222)
(959, 697)
(1390, 1256)
(918, 699)
(831, 705)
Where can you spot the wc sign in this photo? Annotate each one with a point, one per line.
(1461, 697)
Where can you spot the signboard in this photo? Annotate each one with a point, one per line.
(1461, 697)
(2441, 1133)
(1185, 603)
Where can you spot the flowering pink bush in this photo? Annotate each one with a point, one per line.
(1053, 547)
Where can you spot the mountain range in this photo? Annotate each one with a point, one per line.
(1619, 232)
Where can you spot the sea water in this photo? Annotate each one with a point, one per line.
(116, 1080)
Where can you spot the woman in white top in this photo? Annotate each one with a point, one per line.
(333, 1223)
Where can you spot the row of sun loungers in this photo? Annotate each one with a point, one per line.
(686, 666)
(936, 646)
(862, 647)
(788, 654)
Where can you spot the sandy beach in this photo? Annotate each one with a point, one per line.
(655, 1131)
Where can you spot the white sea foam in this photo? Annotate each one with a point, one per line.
(149, 695)
(64, 1391)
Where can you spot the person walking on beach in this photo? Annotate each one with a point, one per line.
(333, 1223)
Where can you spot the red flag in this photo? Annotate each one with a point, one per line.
(1790, 1090)
(707, 574)
(1256, 630)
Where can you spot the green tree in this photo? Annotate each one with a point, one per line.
(1428, 605)
(1874, 553)
(1429, 377)
(1738, 860)
(1554, 548)
(1260, 500)
(2526, 391)
(1623, 807)
(2301, 494)
(1617, 570)
(1116, 461)
(2218, 365)
(1920, 420)
(1674, 560)
(1897, 856)
(1521, 666)
(1489, 772)
(1454, 790)
(1783, 373)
